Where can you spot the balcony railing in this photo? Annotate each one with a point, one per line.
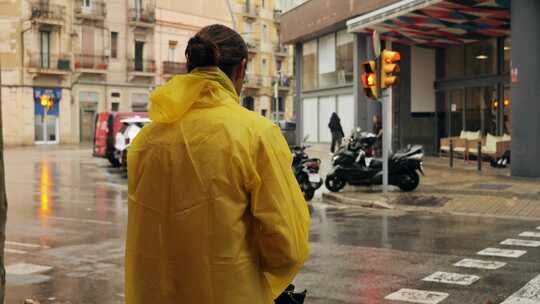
(277, 16)
(142, 17)
(253, 81)
(281, 51)
(49, 63)
(96, 11)
(141, 66)
(91, 62)
(252, 44)
(251, 11)
(45, 12)
(284, 82)
(173, 68)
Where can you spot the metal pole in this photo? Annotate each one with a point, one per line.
(451, 153)
(387, 127)
(276, 104)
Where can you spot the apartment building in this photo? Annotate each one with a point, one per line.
(268, 86)
(63, 61)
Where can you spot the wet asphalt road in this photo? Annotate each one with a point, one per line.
(68, 213)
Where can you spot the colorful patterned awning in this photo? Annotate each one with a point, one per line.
(438, 23)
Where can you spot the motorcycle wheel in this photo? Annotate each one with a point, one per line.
(409, 181)
(309, 194)
(334, 183)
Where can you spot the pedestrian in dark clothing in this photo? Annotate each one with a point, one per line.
(336, 130)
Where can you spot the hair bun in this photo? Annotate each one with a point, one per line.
(202, 52)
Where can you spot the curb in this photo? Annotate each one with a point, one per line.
(339, 199)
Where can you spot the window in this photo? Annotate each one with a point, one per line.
(344, 57)
(139, 47)
(172, 50)
(507, 51)
(44, 49)
(309, 66)
(114, 44)
(115, 106)
(279, 67)
(86, 4)
(264, 33)
(327, 61)
(481, 58)
(454, 66)
(263, 3)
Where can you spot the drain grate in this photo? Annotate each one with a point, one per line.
(490, 186)
(421, 201)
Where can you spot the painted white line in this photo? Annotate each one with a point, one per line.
(26, 245)
(507, 253)
(530, 234)
(524, 243)
(529, 294)
(479, 264)
(79, 220)
(14, 251)
(417, 296)
(451, 278)
(25, 269)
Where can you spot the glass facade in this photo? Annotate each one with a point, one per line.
(328, 61)
(473, 59)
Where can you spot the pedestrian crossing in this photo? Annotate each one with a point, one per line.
(529, 294)
(19, 248)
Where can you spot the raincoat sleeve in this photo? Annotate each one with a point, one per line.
(280, 211)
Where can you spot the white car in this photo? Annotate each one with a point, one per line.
(130, 129)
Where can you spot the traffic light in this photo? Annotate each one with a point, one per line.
(369, 79)
(46, 101)
(389, 62)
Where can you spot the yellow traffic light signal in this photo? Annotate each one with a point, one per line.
(389, 62)
(46, 101)
(369, 79)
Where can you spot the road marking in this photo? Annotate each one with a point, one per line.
(524, 243)
(79, 220)
(23, 244)
(25, 269)
(530, 234)
(479, 264)
(14, 251)
(417, 296)
(507, 253)
(451, 278)
(529, 294)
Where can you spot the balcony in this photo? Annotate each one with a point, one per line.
(281, 51)
(141, 68)
(253, 44)
(284, 83)
(250, 12)
(42, 12)
(97, 11)
(253, 81)
(91, 64)
(277, 16)
(144, 18)
(174, 68)
(49, 64)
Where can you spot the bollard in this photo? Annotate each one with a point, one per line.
(479, 156)
(451, 153)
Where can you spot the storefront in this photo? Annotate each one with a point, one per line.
(47, 115)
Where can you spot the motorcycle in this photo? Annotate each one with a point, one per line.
(306, 171)
(353, 165)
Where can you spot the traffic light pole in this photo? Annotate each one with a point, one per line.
(387, 134)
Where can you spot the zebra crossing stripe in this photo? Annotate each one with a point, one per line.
(8, 250)
(417, 296)
(528, 294)
(479, 264)
(524, 243)
(25, 269)
(507, 253)
(452, 278)
(530, 234)
(27, 245)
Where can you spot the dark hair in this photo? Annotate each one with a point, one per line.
(216, 45)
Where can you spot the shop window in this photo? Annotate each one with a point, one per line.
(327, 61)
(507, 118)
(115, 106)
(481, 58)
(309, 65)
(344, 57)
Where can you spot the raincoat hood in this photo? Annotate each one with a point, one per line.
(208, 85)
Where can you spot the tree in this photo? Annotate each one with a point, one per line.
(3, 202)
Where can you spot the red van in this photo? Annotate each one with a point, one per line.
(106, 125)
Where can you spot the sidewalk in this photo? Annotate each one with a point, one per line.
(458, 190)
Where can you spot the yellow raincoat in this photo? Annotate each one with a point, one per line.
(215, 213)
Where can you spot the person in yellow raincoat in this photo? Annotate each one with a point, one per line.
(215, 214)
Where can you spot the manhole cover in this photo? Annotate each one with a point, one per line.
(421, 201)
(491, 186)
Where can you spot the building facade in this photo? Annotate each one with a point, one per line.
(64, 61)
(465, 66)
(268, 87)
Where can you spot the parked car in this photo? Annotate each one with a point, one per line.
(126, 135)
(106, 126)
